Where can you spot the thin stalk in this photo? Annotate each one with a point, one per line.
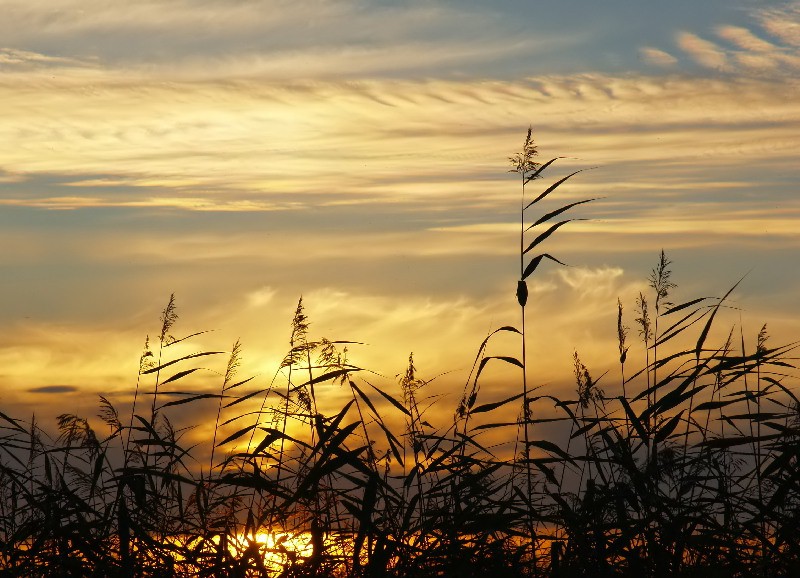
(622, 334)
(230, 373)
(526, 409)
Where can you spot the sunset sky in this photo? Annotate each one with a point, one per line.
(242, 153)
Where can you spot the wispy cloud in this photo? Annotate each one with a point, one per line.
(247, 147)
(307, 39)
(704, 52)
(54, 389)
(767, 49)
(185, 203)
(745, 39)
(658, 57)
(782, 22)
(12, 59)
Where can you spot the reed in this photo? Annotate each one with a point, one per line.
(685, 466)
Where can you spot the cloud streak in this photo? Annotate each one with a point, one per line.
(249, 147)
(308, 39)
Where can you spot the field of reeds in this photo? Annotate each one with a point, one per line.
(683, 463)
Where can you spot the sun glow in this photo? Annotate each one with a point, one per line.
(280, 550)
(277, 549)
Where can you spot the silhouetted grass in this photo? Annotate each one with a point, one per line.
(686, 466)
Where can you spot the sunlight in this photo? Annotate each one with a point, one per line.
(278, 548)
(281, 550)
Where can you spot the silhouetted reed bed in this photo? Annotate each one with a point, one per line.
(684, 463)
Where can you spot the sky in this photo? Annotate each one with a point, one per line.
(244, 153)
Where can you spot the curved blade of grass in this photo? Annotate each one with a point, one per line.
(547, 233)
(238, 383)
(392, 400)
(269, 439)
(365, 397)
(677, 328)
(548, 472)
(507, 359)
(330, 430)
(432, 467)
(637, 424)
(549, 446)
(541, 169)
(184, 358)
(393, 442)
(695, 373)
(175, 341)
(191, 399)
(783, 388)
(496, 425)
(494, 405)
(701, 340)
(328, 376)
(285, 436)
(674, 398)
(323, 468)
(583, 429)
(236, 435)
(163, 474)
(782, 461)
(488, 337)
(675, 308)
(551, 214)
(664, 431)
(535, 263)
(551, 188)
(13, 422)
(722, 443)
(245, 397)
(711, 405)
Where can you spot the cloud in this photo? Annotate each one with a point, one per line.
(783, 23)
(54, 389)
(703, 52)
(591, 281)
(261, 297)
(745, 39)
(183, 203)
(757, 55)
(657, 57)
(220, 146)
(11, 59)
(769, 52)
(308, 39)
(9, 177)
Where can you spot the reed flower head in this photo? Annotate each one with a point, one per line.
(643, 320)
(660, 281)
(522, 162)
(622, 334)
(587, 388)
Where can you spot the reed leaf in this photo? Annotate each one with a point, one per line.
(551, 188)
(158, 368)
(486, 407)
(547, 216)
(534, 263)
(392, 400)
(542, 237)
